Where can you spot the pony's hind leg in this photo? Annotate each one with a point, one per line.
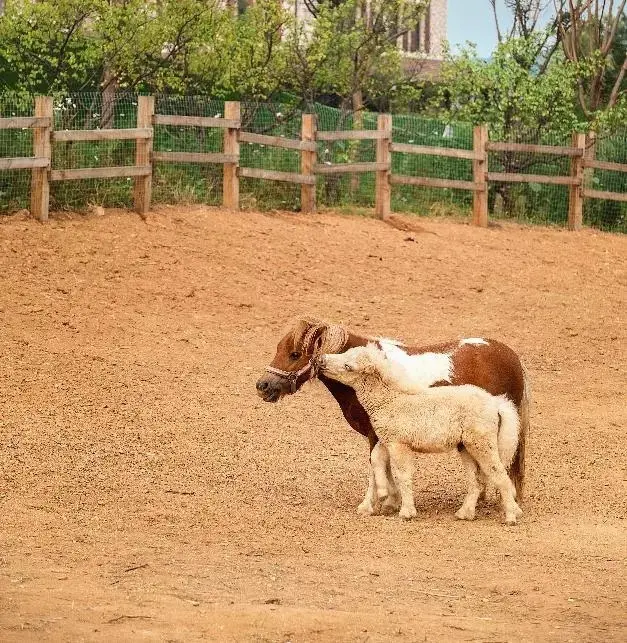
(467, 510)
(402, 464)
(484, 450)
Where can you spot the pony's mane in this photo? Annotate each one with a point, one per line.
(305, 330)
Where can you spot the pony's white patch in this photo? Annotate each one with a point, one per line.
(473, 340)
(422, 370)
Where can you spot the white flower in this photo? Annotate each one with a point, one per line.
(218, 115)
(279, 115)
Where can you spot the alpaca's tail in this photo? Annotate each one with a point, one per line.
(508, 440)
(517, 469)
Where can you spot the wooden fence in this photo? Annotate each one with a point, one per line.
(581, 154)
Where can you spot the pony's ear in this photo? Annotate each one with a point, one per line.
(314, 339)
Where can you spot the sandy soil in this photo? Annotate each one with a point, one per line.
(147, 493)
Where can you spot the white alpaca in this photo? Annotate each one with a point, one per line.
(483, 427)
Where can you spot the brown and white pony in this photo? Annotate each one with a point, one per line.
(486, 363)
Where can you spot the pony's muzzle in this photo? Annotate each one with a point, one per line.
(269, 388)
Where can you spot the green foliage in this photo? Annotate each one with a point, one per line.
(48, 47)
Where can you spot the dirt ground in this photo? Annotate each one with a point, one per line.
(147, 493)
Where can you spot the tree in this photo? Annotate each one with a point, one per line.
(517, 102)
(588, 31)
(351, 49)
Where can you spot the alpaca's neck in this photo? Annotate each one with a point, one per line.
(372, 395)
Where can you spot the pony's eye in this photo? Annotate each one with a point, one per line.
(295, 355)
(348, 367)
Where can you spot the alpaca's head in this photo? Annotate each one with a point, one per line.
(355, 365)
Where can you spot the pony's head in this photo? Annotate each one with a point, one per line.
(306, 339)
(355, 366)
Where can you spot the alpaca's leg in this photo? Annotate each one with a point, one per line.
(486, 453)
(402, 461)
(379, 461)
(467, 510)
(368, 503)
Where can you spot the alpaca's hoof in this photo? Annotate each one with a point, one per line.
(365, 509)
(511, 517)
(407, 513)
(465, 513)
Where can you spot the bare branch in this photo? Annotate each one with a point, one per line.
(616, 88)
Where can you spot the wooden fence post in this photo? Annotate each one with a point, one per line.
(575, 192)
(383, 190)
(40, 187)
(143, 154)
(230, 182)
(588, 157)
(480, 176)
(307, 164)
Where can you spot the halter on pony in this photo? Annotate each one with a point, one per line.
(332, 340)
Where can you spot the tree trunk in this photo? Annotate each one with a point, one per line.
(358, 123)
(109, 89)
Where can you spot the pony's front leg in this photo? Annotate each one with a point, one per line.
(367, 506)
(402, 464)
(392, 501)
(379, 460)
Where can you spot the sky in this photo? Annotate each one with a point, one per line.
(473, 20)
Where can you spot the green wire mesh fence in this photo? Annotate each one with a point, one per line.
(602, 213)
(202, 183)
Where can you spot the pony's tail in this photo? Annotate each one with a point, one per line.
(517, 469)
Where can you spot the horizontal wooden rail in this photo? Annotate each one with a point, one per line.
(408, 148)
(610, 196)
(195, 121)
(195, 157)
(429, 182)
(355, 168)
(605, 165)
(277, 141)
(272, 175)
(22, 163)
(352, 135)
(24, 122)
(102, 134)
(100, 172)
(534, 149)
(508, 177)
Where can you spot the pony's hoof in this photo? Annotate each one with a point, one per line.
(390, 506)
(407, 513)
(511, 519)
(365, 509)
(465, 514)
